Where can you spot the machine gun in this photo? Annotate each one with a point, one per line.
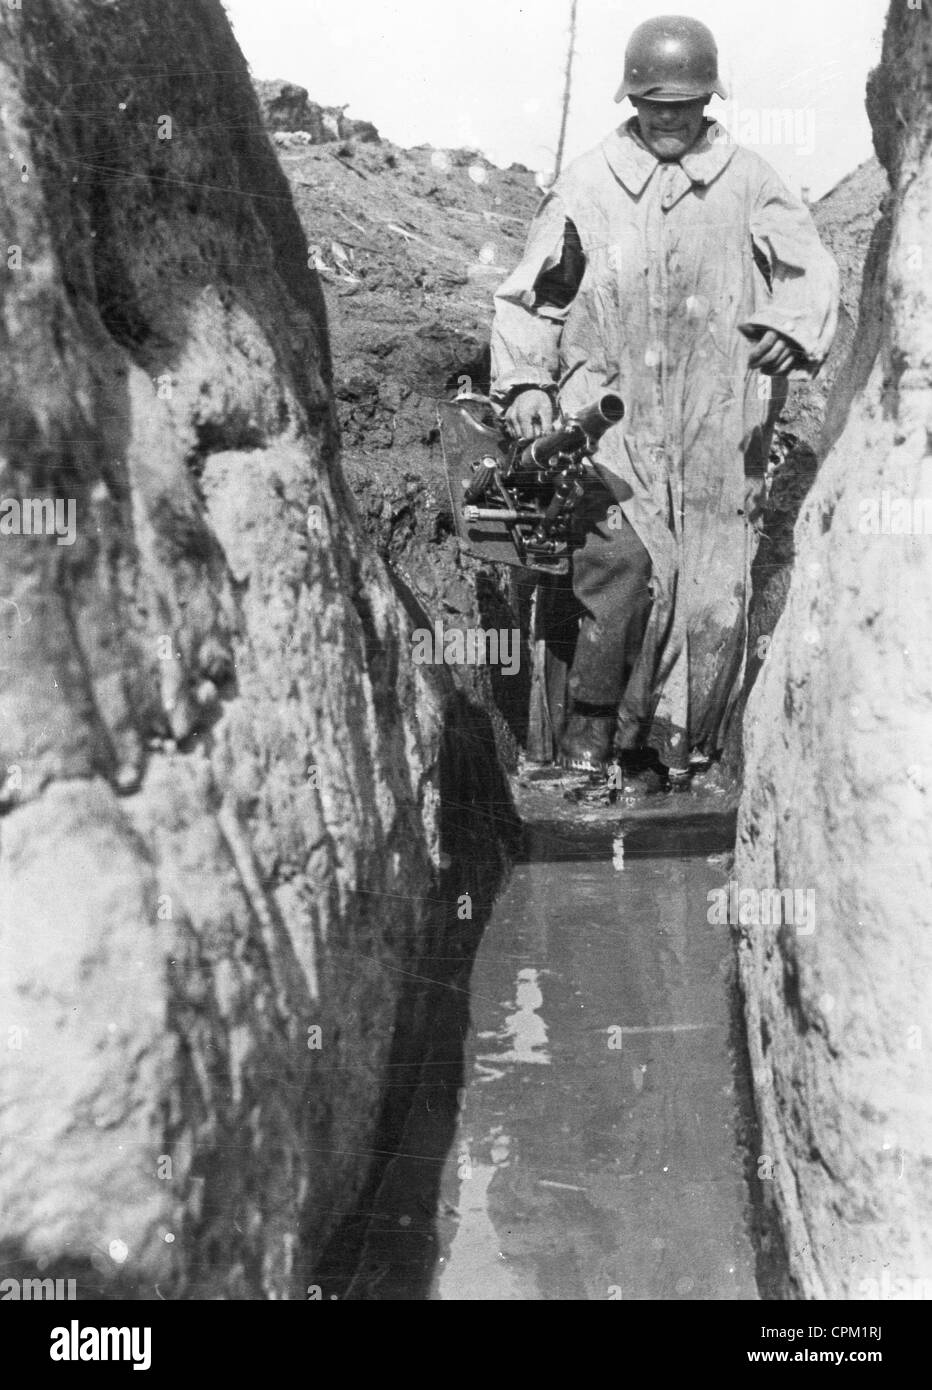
(514, 500)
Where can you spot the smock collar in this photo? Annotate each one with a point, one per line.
(632, 162)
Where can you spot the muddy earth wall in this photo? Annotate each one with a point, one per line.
(836, 801)
(232, 808)
(410, 246)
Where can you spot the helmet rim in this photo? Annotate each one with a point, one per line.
(691, 94)
(671, 58)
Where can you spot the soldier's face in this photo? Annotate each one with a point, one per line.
(670, 128)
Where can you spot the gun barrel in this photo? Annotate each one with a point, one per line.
(606, 410)
(586, 426)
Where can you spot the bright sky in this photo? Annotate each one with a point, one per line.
(488, 74)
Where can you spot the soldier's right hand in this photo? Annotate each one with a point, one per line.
(530, 414)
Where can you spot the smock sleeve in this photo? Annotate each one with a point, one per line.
(532, 304)
(804, 277)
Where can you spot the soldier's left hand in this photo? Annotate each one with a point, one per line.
(775, 355)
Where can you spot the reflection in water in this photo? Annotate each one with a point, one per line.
(595, 1153)
(525, 1028)
(474, 1254)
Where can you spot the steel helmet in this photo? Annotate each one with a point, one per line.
(671, 58)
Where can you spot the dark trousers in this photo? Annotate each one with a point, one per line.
(611, 577)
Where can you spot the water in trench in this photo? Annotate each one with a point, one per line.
(575, 1130)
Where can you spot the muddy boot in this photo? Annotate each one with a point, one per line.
(586, 745)
(711, 779)
(679, 778)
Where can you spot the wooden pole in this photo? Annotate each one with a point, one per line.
(567, 85)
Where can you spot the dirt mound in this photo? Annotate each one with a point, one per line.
(410, 245)
(287, 111)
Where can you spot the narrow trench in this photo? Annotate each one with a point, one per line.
(581, 1124)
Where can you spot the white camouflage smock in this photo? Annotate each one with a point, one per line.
(677, 255)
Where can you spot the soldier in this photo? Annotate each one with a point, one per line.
(674, 267)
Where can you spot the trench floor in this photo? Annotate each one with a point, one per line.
(576, 1131)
